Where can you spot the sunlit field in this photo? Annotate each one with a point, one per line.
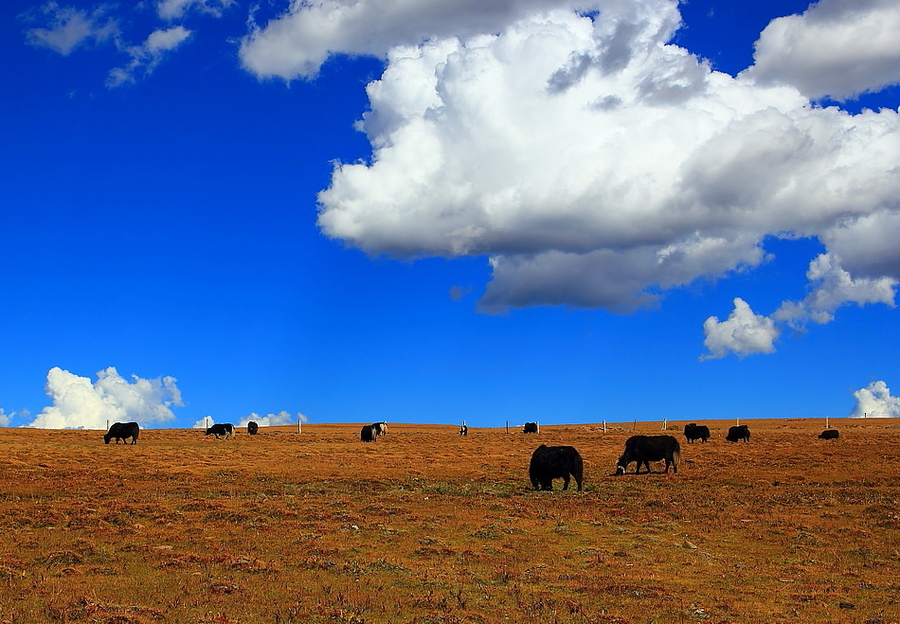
(424, 526)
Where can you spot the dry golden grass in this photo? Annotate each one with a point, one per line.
(426, 527)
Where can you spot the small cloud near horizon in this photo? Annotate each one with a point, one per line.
(79, 403)
(875, 401)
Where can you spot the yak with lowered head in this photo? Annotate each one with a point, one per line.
(693, 431)
(645, 449)
(221, 429)
(739, 432)
(555, 462)
(830, 434)
(120, 431)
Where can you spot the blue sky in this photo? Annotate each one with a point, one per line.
(565, 211)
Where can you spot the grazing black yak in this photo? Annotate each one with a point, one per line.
(221, 429)
(645, 449)
(367, 434)
(555, 462)
(740, 432)
(120, 431)
(830, 434)
(694, 431)
(530, 427)
(252, 427)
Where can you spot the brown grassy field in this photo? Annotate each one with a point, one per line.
(426, 527)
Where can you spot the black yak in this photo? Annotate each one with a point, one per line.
(221, 429)
(694, 431)
(555, 462)
(740, 432)
(379, 428)
(120, 431)
(645, 449)
(530, 427)
(252, 427)
(367, 434)
(830, 434)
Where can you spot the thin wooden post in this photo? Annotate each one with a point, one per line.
(538, 423)
(507, 426)
(299, 428)
(635, 425)
(826, 422)
(604, 426)
(665, 424)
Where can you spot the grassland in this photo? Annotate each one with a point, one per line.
(426, 527)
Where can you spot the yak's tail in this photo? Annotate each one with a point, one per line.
(676, 458)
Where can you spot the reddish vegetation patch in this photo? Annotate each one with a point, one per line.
(426, 527)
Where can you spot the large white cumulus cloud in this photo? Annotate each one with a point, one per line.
(837, 48)
(296, 44)
(79, 403)
(598, 165)
(875, 401)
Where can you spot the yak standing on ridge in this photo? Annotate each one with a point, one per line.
(120, 431)
(221, 429)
